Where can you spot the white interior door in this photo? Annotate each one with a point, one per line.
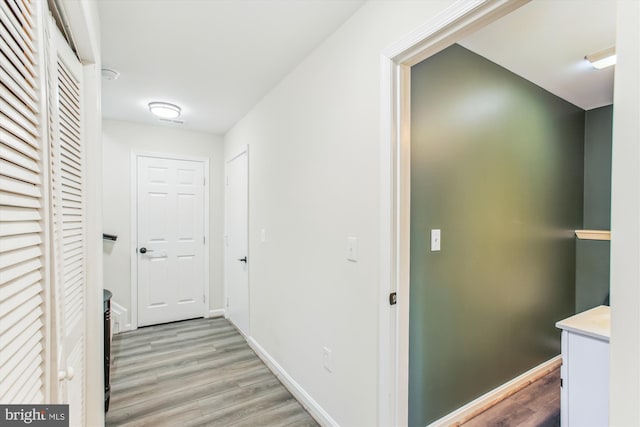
(68, 198)
(23, 258)
(236, 254)
(170, 246)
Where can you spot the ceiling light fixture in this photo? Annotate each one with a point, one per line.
(110, 74)
(603, 59)
(165, 110)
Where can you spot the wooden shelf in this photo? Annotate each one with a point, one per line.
(593, 234)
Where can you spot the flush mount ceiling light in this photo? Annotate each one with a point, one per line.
(603, 59)
(165, 110)
(110, 74)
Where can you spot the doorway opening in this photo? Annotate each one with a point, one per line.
(452, 26)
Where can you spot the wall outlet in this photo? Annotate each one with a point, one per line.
(326, 359)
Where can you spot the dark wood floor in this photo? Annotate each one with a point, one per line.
(195, 373)
(537, 405)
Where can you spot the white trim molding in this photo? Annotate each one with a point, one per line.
(119, 317)
(218, 312)
(305, 399)
(462, 18)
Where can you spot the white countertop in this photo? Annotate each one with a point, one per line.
(595, 323)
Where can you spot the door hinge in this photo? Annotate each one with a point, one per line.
(393, 298)
(204, 241)
(203, 298)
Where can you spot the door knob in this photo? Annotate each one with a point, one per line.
(145, 250)
(67, 374)
(243, 259)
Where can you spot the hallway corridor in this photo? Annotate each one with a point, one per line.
(198, 372)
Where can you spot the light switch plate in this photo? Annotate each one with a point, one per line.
(352, 249)
(435, 240)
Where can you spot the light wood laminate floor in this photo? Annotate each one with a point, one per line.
(195, 373)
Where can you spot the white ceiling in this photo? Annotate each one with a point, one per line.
(214, 58)
(545, 41)
(218, 58)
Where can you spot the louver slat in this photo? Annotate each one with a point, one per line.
(14, 46)
(18, 33)
(21, 115)
(18, 256)
(18, 158)
(21, 202)
(11, 51)
(28, 148)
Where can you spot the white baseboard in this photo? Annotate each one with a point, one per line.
(484, 402)
(316, 411)
(218, 312)
(118, 318)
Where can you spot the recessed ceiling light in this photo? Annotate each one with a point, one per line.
(110, 74)
(603, 59)
(165, 110)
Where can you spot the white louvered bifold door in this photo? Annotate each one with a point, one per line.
(67, 206)
(22, 325)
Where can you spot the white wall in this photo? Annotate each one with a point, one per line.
(314, 181)
(625, 223)
(119, 140)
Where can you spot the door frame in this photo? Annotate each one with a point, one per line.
(236, 153)
(134, 227)
(457, 21)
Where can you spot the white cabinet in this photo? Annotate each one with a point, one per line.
(585, 369)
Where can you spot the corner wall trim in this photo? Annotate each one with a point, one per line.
(218, 312)
(118, 317)
(316, 411)
(484, 402)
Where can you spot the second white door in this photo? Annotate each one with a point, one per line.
(170, 249)
(236, 222)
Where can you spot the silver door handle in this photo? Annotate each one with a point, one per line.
(145, 250)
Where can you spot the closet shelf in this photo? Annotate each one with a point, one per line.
(593, 234)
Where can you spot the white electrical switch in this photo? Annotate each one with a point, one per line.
(263, 235)
(435, 240)
(352, 249)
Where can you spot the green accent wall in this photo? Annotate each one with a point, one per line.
(592, 256)
(497, 165)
